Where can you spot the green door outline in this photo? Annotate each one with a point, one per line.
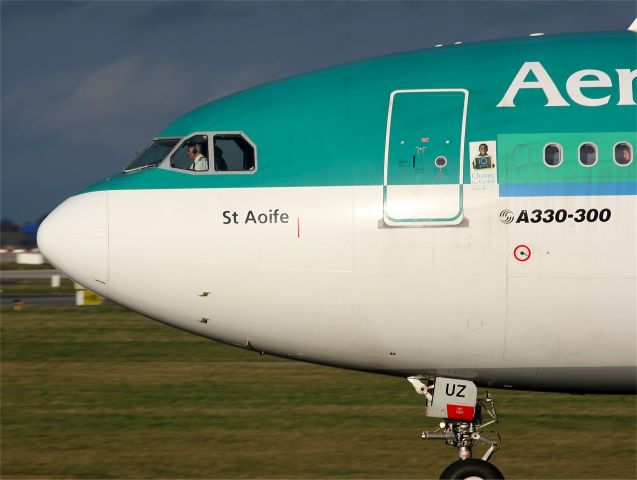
(424, 125)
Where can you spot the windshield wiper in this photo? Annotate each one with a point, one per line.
(143, 167)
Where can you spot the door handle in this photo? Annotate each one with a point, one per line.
(413, 164)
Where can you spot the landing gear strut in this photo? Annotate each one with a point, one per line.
(457, 402)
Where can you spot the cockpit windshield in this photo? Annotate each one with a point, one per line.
(154, 153)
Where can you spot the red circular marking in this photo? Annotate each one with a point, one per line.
(522, 253)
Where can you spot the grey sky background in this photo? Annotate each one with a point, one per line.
(86, 84)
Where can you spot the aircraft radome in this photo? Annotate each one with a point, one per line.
(459, 216)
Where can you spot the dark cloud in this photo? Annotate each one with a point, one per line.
(182, 16)
(84, 84)
(132, 86)
(15, 11)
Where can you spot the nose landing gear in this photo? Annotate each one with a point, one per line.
(456, 402)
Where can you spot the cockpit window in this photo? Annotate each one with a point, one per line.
(192, 155)
(154, 153)
(233, 153)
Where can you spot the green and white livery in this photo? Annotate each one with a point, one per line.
(465, 212)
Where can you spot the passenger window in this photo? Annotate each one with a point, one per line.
(521, 154)
(233, 153)
(623, 154)
(553, 154)
(192, 155)
(588, 154)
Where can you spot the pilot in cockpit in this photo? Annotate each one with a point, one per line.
(199, 162)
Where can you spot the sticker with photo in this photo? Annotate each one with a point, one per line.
(484, 165)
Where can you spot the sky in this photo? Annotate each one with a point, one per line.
(84, 85)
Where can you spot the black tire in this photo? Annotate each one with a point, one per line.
(471, 468)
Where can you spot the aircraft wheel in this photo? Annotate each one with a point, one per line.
(471, 469)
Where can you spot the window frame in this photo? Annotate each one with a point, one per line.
(234, 172)
(632, 153)
(211, 166)
(167, 163)
(162, 161)
(579, 159)
(560, 148)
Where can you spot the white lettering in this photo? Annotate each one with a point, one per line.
(626, 78)
(543, 81)
(575, 83)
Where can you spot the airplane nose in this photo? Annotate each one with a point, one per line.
(74, 238)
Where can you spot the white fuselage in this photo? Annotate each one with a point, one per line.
(335, 285)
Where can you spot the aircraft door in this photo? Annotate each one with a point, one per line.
(424, 152)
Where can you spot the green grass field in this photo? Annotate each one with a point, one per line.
(101, 392)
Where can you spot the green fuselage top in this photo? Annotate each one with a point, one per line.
(330, 127)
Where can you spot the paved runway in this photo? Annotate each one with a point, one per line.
(23, 274)
(35, 299)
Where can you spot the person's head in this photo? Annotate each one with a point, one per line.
(193, 150)
(626, 154)
(483, 149)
